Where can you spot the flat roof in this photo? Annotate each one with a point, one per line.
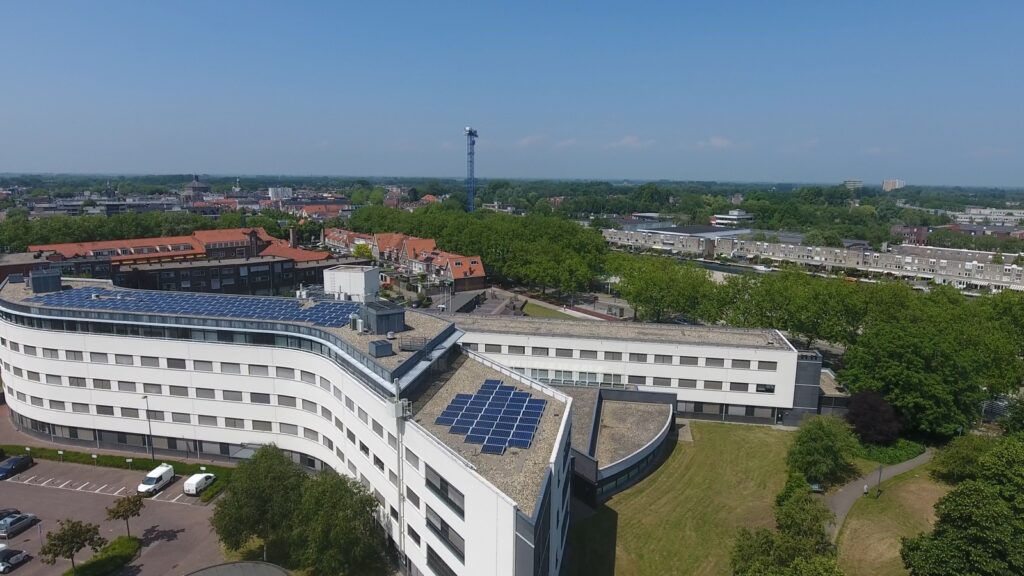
(584, 400)
(518, 473)
(627, 427)
(637, 331)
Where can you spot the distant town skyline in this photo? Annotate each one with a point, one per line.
(735, 91)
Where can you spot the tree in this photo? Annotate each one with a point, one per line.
(336, 532)
(1013, 421)
(125, 508)
(976, 532)
(1003, 467)
(260, 500)
(71, 537)
(362, 251)
(958, 460)
(822, 449)
(873, 419)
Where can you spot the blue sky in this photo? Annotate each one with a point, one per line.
(931, 92)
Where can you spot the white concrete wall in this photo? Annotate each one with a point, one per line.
(355, 283)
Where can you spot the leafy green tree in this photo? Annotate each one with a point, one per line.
(1003, 467)
(362, 251)
(822, 450)
(976, 532)
(336, 533)
(1013, 421)
(126, 508)
(959, 460)
(260, 500)
(71, 537)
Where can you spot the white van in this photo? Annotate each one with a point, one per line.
(196, 483)
(156, 479)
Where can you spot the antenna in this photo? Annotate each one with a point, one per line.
(470, 176)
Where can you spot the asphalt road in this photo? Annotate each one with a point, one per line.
(175, 529)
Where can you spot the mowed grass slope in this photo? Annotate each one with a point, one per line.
(683, 518)
(538, 311)
(869, 543)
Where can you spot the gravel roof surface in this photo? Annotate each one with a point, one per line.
(517, 473)
(627, 427)
(583, 402)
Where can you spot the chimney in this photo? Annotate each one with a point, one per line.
(292, 237)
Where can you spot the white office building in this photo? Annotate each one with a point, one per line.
(88, 363)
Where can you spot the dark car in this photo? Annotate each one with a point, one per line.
(5, 512)
(15, 465)
(11, 558)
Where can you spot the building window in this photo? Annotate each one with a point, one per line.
(124, 359)
(307, 377)
(765, 388)
(392, 441)
(35, 400)
(97, 383)
(538, 351)
(231, 395)
(181, 418)
(33, 376)
(230, 368)
(412, 458)
(563, 353)
(738, 387)
(234, 423)
(412, 497)
(202, 365)
(662, 381)
(258, 370)
(98, 357)
(363, 416)
(588, 354)
(288, 429)
(769, 366)
(378, 463)
(325, 413)
(309, 406)
(325, 383)
(446, 492)
(518, 350)
(176, 363)
(638, 380)
(350, 404)
(712, 385)
(73, 355)
(257, 398)
(714, 362)
(442, 530)
(495, 348)
(437, 565)
(151, 361)
(154, 415)
(471, 346)
(633, 357)
(54, 379)
(56, 405)
(287, 373)
(178, 390)
(13, 345)
(687, 383)
(688, 360)
(207, 393)
(662, 359)
(378, 429)
(413, 535)
(262, 426)
(129, 413)
(126, 386)
(283, 400)
(29, 350)
(51, 354)
(152, 389)
(207, 420)
(741, 364)
(80, 408)
(104, 410)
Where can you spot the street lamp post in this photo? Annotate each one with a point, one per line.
(149, 424)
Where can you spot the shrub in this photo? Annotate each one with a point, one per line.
(1013, 422)
(873, 419)
(958, 461)
(110, 559)
(822, 450)
(901, 451)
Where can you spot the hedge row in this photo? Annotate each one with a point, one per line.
(110, 559)
(902, 450)
(141, 464)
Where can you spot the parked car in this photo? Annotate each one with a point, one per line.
(10, 559)
(5, 512)
(196, 483)
(14, 525)
(156, 480)
(15, 465)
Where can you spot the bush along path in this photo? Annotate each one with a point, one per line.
(840, 501)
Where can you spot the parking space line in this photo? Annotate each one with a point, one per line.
(176, 497)
(47, 482)
(101, 488)
(65, 484)
(29, 480)
(82, 486)
(119, 490)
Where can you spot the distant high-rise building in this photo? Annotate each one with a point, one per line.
(853, 184)
(279, 193)
(893, 184)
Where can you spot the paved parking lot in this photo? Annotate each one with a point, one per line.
(175, 529)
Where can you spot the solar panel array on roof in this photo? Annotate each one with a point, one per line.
(498, 417)
(327, 314)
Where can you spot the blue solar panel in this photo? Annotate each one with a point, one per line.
(444, 421)
(498, 416)
(329, 314)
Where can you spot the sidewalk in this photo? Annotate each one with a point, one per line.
(840, 501)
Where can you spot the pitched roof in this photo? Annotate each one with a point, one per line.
(415, 246)
(460, 266)
(388, 241)
(85, 249)
(282, 249)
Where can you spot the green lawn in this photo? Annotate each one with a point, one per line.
(531, 309)
(682, 519)
(869, 542)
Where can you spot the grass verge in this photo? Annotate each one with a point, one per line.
(683, 518)
(869, 542)
(141, 464)
(110, 559)
(537, 311)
